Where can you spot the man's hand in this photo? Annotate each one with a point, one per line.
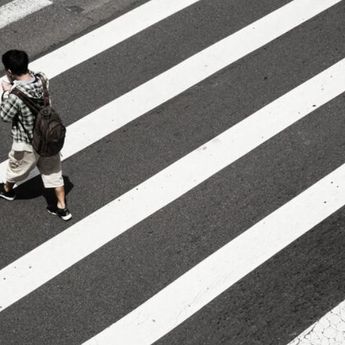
(6, 86)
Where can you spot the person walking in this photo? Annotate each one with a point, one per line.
(22, 157)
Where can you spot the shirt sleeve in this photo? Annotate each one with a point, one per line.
(9, 107)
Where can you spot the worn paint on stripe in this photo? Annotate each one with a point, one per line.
(329, 330)
(59, 253)
(18, 9)
(176, 80)
(204, 282)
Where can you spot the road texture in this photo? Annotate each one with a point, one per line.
(272, 304)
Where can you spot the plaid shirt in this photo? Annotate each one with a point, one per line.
(12, 108)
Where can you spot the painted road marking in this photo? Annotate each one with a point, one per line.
(207, 280)
(329, 330)
(18, 9)
(83, 238)
(179, 78)
(108, 35)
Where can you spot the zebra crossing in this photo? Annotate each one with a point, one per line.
(101, 257)
(166, 186)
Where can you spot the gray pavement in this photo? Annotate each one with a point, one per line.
(271, 305)
(64, 20)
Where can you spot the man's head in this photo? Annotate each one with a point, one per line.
(15, 62)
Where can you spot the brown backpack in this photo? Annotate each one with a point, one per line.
(49, 132)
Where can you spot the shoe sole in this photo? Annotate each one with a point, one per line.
(52, 212)
(66, 218)
(8, 198)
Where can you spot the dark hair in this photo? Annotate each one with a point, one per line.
(17, 61)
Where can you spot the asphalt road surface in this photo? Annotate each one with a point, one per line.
(204, 170)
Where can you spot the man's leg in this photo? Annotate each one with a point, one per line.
(50, 169)
(9, 186)
(60, 210)
(7, 192)
(60, 195)
(19, 166)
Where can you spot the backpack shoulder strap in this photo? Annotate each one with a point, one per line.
(34, 108)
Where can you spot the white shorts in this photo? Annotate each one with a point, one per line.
(21, 163)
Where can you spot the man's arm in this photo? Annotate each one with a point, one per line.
(8, 107)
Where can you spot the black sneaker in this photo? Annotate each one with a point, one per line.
(63, 213)
(10, 196)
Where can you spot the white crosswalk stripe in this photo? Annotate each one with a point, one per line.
(175, 303)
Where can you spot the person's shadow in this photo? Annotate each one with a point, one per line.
(34, 188)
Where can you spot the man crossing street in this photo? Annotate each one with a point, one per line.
(23, 158)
